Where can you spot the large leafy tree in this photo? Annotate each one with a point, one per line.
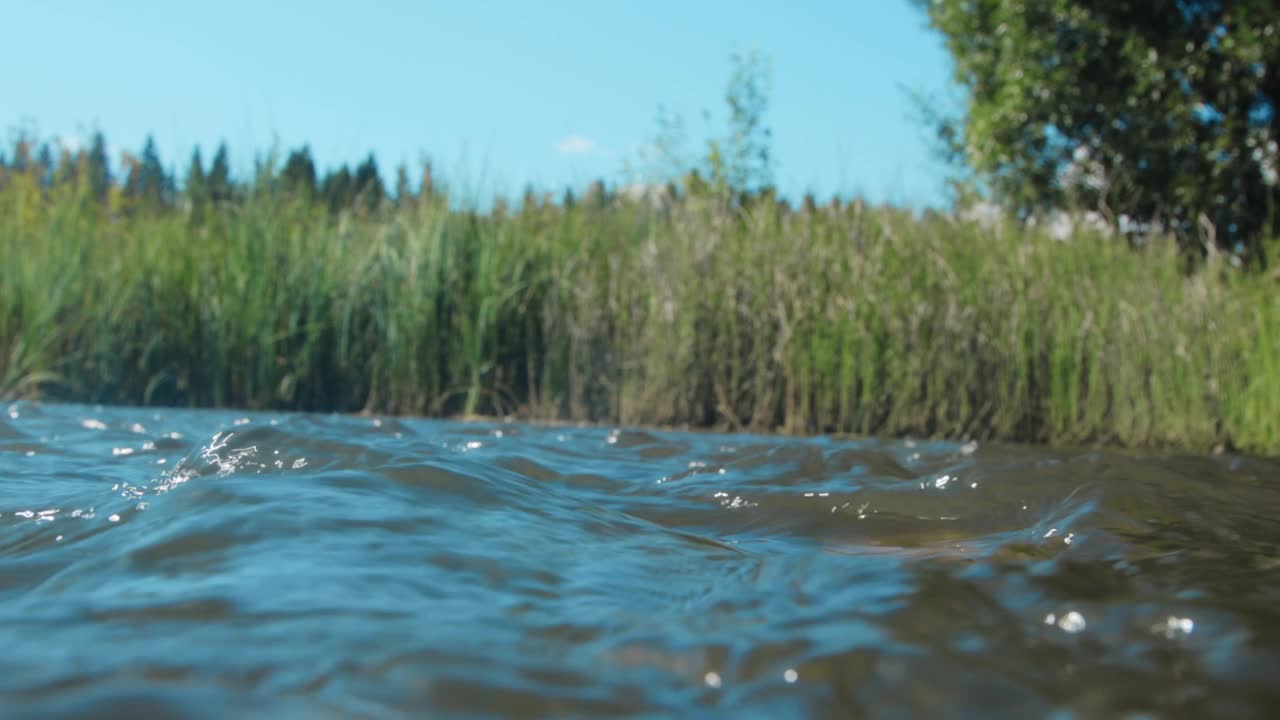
(1162, 111)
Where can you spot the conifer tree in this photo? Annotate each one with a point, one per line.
(299, 174)
(196, 184)
(597, 194)
(68, 168)
(97, 169)
(218, 181)
(148, 183)
(45, 166)
(21, 161)
(336, 189)
(368, 188)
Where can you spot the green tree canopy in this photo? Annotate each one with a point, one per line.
(1164, 111)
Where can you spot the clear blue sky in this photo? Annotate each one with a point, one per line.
(490, 91)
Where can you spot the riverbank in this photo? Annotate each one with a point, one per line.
(838, 318)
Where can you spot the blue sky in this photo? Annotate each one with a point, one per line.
(497, 94)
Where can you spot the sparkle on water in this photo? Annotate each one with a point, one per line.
(209, 564)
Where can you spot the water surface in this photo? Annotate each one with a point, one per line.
(208, 564)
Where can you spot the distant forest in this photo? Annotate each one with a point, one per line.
(142, 181)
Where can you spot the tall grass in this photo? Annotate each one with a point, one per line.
(843, 318)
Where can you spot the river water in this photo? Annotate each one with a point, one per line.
(211, 564)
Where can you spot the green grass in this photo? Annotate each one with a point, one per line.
(844, 318)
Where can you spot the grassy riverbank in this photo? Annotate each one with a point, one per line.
(838, 318)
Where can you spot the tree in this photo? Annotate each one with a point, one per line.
(597, 196)
(743, 160)
(147, 182)
(1165, 112)
(68, 167)
(663, 159)
(299, 174)
(22, 160)
(97, 171)
(739, 164)
(367, 184)
(337, 190)
(529, 199)
(45, 165)
(196, 184)
(218, 182)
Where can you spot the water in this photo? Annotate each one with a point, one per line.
(200, 564)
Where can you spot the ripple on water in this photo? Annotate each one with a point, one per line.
(182, 563)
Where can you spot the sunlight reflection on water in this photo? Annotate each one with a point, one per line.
(200, 562)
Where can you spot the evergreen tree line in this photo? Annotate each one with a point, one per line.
(735, 168)
(143, 182)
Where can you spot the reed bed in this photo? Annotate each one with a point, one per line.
(842, 318)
